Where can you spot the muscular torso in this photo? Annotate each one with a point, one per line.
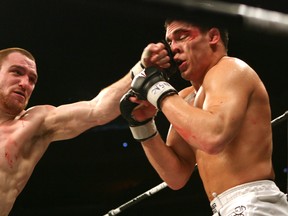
(247, 157)
(21, 147)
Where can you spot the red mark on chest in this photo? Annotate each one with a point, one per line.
(9, 159)
(11, 154)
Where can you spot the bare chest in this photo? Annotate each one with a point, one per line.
(12, 141)
(18, 143)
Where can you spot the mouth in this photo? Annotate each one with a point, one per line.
(181, 65)
(20, 93)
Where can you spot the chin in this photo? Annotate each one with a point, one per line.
(15, 109)
(183, 75)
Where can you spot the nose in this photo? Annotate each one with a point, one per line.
(24, 82)
(174, 48)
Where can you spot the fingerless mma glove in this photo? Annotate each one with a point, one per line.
(152, 85)
(141, 131)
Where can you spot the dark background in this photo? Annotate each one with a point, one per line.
(81, 46)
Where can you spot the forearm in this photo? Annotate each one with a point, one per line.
(170, 167)
(106, 103)
(199, 128)
(68, 121)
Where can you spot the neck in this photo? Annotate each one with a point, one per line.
(197, 84)
(6, 116)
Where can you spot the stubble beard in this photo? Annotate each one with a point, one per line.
(12, 107)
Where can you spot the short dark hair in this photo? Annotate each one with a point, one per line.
(204, 27)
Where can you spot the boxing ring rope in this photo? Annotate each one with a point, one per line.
(137, 199)
(163, 185)
(280, 119)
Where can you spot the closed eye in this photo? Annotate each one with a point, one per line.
(179, 36)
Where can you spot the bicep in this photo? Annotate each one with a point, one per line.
(228, 98)
(68, 121)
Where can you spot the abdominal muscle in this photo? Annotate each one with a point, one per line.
(237, 164)
(12, 182)
(19, 153)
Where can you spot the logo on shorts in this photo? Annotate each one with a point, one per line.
(238, 211)
(213, 206)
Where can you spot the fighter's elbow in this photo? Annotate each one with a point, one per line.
(213, 145)
(178, 182)
(176, 185)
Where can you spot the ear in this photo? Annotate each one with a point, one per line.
(214, 35)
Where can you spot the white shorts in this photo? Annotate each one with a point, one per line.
(259, 198)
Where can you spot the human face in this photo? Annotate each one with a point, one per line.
(18, 77)
(191, 49)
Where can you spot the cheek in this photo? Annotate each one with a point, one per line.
(30, 90)
(189, 51)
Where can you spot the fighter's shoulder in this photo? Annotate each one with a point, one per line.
(228, 63)
(38, 110)
(230, 68)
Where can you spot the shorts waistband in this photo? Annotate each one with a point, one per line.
(232, 193)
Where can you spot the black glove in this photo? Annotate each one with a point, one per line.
(141, 131)
(152, 85)
(167, 72)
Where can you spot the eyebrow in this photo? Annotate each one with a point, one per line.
(32, 72)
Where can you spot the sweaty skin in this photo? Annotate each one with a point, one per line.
(222, 123)
(234, 144)
(26, 134)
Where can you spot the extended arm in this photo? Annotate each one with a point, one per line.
(68, 121)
